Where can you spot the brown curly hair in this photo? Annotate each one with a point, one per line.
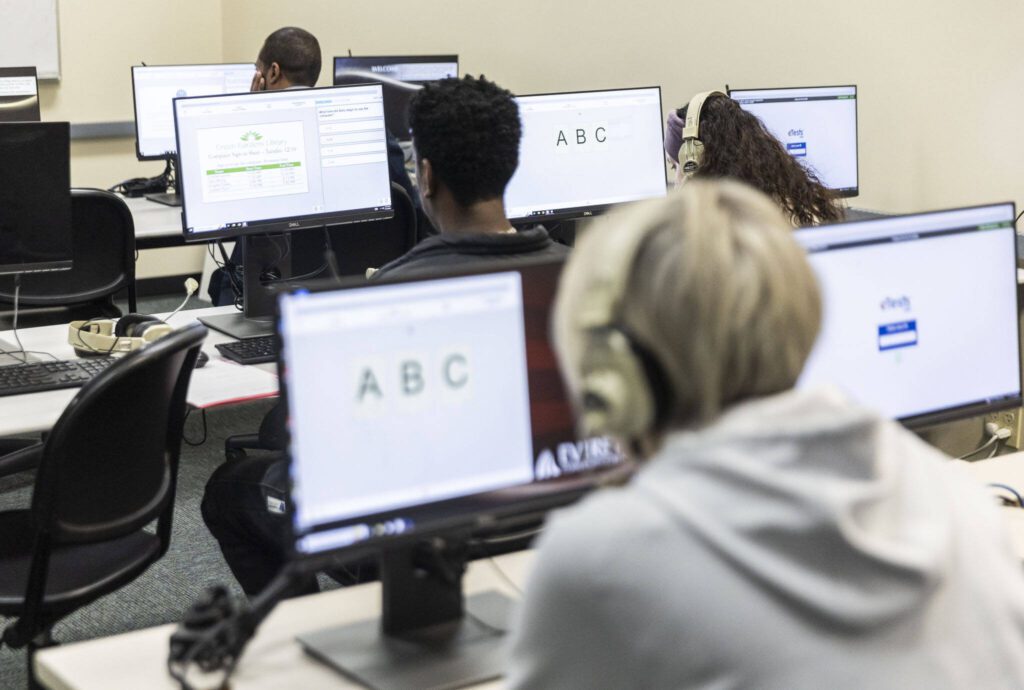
(738, 145)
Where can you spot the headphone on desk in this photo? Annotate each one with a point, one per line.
(107, 336)
(623, 390)
(691, 150)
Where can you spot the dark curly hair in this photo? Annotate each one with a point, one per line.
(738, 145)
(469, 130)
(296, 51)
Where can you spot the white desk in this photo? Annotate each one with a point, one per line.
(156, 225)
(273, 659)
(220, 381)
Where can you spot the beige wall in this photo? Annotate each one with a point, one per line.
(100, 41)
(941, 82)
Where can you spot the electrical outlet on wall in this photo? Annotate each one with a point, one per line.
(1010, 419)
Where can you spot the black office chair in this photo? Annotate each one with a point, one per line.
(107, 470)
(103, 258)
(359, 246)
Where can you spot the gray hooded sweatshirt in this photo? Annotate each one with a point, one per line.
(799, 542)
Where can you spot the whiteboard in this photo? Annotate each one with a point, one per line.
(29, 36)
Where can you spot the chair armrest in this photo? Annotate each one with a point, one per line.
(21, 460)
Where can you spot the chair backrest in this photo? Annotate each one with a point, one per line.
(103, 258)
(109, 465)
(358, 246)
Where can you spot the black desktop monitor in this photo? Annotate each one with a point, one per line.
(584, 152)
(816, 124)
(154, 88)
(425, 409)
(275, 162)
(920, 313)
(19, 94)
(396, 71)
(35, 197)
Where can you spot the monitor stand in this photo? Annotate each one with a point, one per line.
(428, 637)
(264, 258)
(167, 198)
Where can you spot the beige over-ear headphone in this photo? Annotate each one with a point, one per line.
(620, 390)
(691, 151)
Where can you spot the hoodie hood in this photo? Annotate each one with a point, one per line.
(817, 501)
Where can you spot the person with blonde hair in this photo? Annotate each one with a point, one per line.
(773, 537)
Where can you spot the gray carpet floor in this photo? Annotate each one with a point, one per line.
(194, 561)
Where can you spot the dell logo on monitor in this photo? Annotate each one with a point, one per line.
(293, 224)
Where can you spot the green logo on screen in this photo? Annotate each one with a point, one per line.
(251, 136)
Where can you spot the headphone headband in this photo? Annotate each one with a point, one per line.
(691, 148)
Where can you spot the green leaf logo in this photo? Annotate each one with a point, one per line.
(251, 136)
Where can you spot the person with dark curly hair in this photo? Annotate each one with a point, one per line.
(736, 144)
(465, 136)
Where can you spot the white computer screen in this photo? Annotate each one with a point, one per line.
(817, 125)
(416, 69)
(157, 86)
(276, 160)
(19, 97)
(425, 397)
(920, 312)
(583, 152)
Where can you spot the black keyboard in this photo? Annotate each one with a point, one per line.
(251, 350)
(47, 376)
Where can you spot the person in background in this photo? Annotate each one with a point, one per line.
(465, 138)
(773, 538)
(736, 144)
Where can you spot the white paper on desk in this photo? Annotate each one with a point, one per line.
(221, 382)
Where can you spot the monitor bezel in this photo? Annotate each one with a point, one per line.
(842, 193)
(952, 414)
(135, 106)
(480, 511)
(580, 212)
(275, 225)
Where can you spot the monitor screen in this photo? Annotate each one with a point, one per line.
(156, 86)
(817, 125)
(447, 396)
(274, 161)
(19, 94)
(411, 69)
(920, 313)
(35, 197)
(582, 153)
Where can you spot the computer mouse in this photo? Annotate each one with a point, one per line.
(202, 359)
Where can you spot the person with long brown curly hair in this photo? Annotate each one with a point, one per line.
(732, 142)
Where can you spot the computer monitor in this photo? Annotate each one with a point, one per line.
(816, 124)
(410, 69)
(154, 88)
(584, 152)
(920, 313)
(443, 411)
(35, 197)
(279, 161)
(19, 94)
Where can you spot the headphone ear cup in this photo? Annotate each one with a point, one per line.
(134, 325)
(616, 395)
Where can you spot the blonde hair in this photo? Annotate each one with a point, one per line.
(718, 294)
